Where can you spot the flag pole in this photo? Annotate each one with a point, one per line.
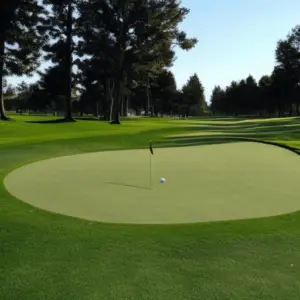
(150, 153)
(150, 171)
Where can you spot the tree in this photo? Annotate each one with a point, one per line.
(288, 65)
(96, 48)
(158, 37)
(217, 100)
(193, 96)
(24, 90)
(164, 92)
(9, 92)
(280, 85)
(239, 98)
(21, 36)
(133, 40)
(251, 96)
(60, 26)
(25, 93)
(265, 95)
(53, 83)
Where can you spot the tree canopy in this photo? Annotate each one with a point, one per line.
(22, 35)
(117, 54)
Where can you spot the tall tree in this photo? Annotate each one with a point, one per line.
(134, 38)
(60, 26)
(21, 37)
(280, 85)
(97, 52)
(251, 95)
(265, 96)
(159, 37)
(52, 82)
(217, 100)
(193, 95)
(164, 92)
(288, 63)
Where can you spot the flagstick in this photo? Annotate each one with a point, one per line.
(150, 171)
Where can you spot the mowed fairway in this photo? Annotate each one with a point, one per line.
(49, 256)
(204, 183)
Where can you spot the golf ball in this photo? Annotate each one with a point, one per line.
(162, 180)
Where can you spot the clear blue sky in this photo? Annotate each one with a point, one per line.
(236, 38)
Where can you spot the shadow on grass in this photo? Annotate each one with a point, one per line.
(54, 121)
(62, 120)
(211, 140)
(276, 123)
(89, 119)
(129, 185)
(195, 141)
(253, 129)
(226, 119)
(7, 119)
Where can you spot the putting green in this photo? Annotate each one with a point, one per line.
(206, 183)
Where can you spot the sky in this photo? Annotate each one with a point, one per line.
(235, 38)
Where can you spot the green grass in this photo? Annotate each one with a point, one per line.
(49, 256)
(204, 183)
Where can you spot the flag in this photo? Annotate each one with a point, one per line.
(150, 148)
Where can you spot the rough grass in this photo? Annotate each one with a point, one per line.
(49, 256)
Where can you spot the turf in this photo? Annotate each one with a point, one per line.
(49, 256)
(204, 183)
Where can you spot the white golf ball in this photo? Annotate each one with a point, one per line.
(162, 180)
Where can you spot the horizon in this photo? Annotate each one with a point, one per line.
(224, 51)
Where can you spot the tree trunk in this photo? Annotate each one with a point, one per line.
(122, 105)
(116, 106)
(97, 109)
(297, 110)
(107, 100)
(151, 104)
(120, 74)
(3, 115)
(127, 104)
(147, 103)
(111, 97)
(69, 61)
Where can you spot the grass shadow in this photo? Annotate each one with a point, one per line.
(226, 119)
(129, 185)
(253, 129)
(195, 141)
(88, 119)
(54, 121)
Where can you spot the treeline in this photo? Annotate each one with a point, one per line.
(277, 94)
(105, 56)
